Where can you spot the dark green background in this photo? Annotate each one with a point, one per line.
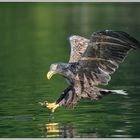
(34, 35)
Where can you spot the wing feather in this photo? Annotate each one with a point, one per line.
(105, 51)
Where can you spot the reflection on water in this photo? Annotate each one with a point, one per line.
(57, 130)
(54, 130)
(32, 36)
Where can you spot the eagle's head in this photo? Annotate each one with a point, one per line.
(57, 68)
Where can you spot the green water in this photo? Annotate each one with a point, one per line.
(34, 35)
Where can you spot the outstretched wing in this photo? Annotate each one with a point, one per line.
(78, 46)
(105, 51)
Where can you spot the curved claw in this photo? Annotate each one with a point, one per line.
(50, 106)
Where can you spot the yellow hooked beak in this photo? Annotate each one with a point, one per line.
(50, 74)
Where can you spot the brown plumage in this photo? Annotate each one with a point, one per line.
(91, 63)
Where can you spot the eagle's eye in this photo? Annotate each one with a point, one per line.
(53, 67)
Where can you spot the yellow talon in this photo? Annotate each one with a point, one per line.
(50, 106)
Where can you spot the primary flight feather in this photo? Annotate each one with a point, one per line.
(91, 63)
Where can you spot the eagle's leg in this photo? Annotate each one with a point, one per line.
(54, 105)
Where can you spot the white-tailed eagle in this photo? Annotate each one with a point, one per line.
(91, 63)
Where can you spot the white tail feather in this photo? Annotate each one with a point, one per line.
(122, 92)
